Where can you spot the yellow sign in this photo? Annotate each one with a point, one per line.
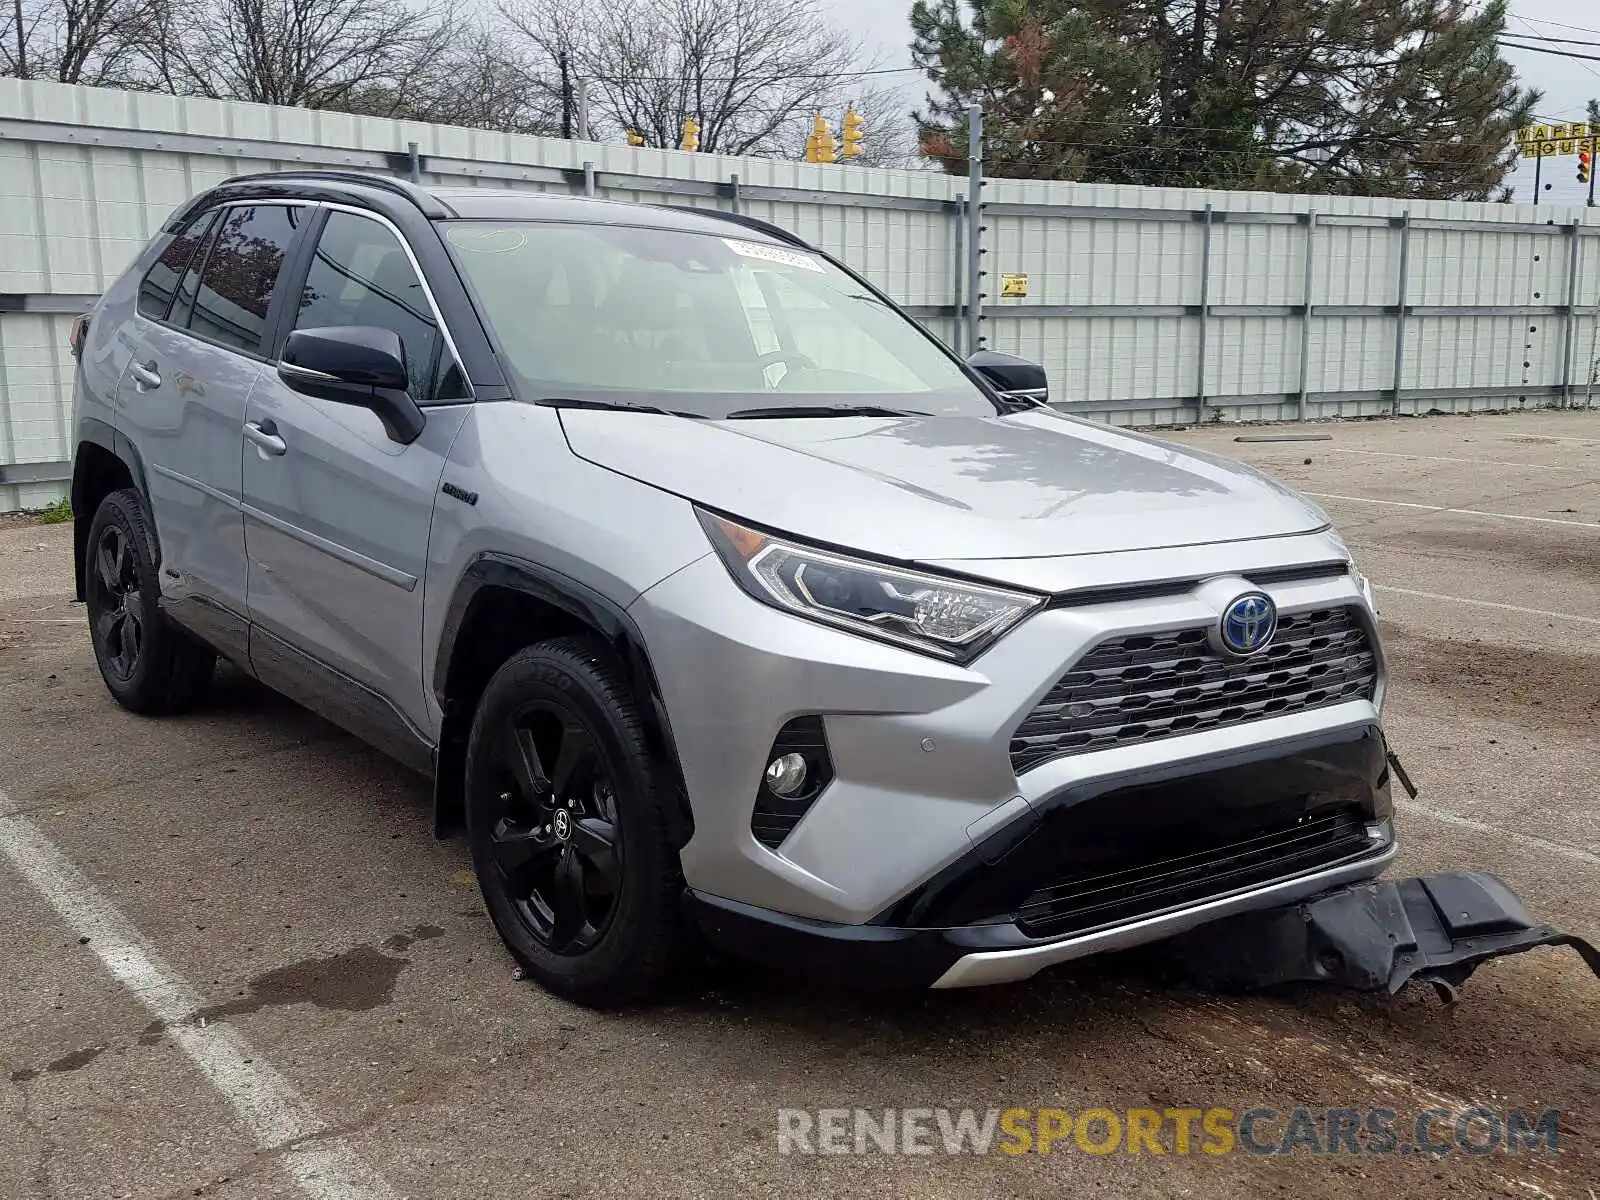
(1555, 141)
(1013, 285)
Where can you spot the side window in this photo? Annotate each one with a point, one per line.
(360, 275)
(240, 273)
(161, 280)
(183, 304)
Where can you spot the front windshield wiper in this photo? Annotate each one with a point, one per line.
(610, 406)
(823, 410)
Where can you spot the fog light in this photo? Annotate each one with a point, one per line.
(786, 774)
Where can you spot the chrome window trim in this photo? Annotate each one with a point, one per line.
(422, 278)
(411, 257)
(220, 209)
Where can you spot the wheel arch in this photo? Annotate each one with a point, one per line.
(105, 461)
(502, 604)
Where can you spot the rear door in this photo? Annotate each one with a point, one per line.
(205, 314)
(337, 514)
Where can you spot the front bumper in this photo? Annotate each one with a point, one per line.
(1106, 865)
(920, 748)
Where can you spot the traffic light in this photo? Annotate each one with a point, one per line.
(691, 134)
(855, 129)
(820, 146)
(635, 138)
(1585, 162)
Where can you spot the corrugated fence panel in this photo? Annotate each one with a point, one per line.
(1146, 305)
(1351, 354)
(1253, 356)
(1258, 264)
(1357, 265)
(1107, 359)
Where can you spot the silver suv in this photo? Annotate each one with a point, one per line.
(718, 599)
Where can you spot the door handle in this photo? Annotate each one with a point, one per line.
(265, 435)
(145, 375)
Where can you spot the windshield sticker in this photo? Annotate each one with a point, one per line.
(775, 254)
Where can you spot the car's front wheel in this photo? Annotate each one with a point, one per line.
(568, 827)
(149, 664)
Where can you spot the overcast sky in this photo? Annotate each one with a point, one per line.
(1566, 83)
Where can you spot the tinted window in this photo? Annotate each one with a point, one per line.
(183, 306)
(360, 275)
(240, 273)
(155, 291)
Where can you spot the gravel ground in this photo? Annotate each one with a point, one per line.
(286, 874)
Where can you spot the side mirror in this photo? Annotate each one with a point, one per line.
(360, 365)
(1015, 378)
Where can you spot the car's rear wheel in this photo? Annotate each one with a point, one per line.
(567, 823)
(149, 664)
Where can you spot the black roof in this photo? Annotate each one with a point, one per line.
(442, 203)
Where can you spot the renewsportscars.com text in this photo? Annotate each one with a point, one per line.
(1179, 1131)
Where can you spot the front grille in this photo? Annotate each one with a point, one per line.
(1113, 892)
(1157, 685)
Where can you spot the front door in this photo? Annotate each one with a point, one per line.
(337, 514)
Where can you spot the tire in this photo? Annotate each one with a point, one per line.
(149, 664)
(567, 821)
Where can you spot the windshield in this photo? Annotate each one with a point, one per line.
(697, 323)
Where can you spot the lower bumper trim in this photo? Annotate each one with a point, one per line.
(1004, 966)
(972, 955)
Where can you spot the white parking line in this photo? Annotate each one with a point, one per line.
(1463, 512)
(1544, 846)
(276, 1115)
(1486, 462)
(1516, 608)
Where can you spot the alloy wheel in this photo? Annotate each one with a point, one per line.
(554, 839)
(119, 612)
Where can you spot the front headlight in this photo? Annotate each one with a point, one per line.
(950, 618)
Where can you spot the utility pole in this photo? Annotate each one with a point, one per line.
(22, 43)
(1538, 174)
(583, 112)
(565, 67)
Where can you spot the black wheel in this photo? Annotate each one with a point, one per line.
(148, 663)
(568, 830)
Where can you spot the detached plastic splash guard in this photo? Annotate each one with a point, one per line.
(1375, 937)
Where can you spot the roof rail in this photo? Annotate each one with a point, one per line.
(429, 204)
(749, 222)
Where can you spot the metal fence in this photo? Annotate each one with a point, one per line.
(1150, 306)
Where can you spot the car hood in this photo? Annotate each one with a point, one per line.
(1028, 485)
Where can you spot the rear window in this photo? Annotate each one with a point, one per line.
(161, 280)
(241, 272)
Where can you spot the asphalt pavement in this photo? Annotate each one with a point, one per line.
(238, 965)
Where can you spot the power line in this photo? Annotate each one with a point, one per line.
(1553, 24)
(1543, 37)
(690, 77)
(1558, 41)
(1557, 53)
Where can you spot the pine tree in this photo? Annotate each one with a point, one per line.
(1350, 97)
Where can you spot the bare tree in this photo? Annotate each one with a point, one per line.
(307, 53)
(751, 72)
(472, 75)
(95, 42)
